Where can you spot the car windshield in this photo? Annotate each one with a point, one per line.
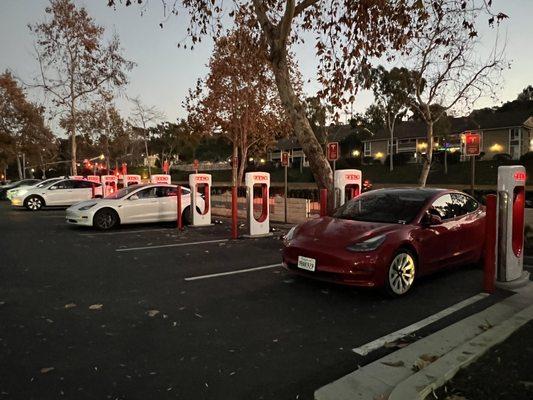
(122, 192)
(387, 206)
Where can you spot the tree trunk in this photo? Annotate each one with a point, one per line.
(147, 156)
(302, 128)
(445, 159)
(234, 165)
(242, 165)
(73, 146)
(391, 152)
(19, 167)
(429, 156)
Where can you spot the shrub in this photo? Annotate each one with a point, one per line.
(399, 158)
(502, 157)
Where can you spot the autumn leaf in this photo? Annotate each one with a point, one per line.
(46, 370)
(152, 313)
(96, 306)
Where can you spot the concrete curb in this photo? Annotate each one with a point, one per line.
(423, 383)
(380, 378)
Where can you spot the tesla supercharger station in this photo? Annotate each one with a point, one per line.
(200, 184)
(348, 184)
(161, 179)
(109, 184)
(261, 181)
(510, 226)
(128, 180)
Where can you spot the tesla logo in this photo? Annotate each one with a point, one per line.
(260, 178)
(161, 179)
(520, 176)
(109, 179)
(352, 177)
(132, 178)
(202, 179)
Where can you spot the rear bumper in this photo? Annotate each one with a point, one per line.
(339, 266)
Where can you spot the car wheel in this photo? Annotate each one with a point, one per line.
(105, 219)
(186, 216)
(401, 273)
(34, 203)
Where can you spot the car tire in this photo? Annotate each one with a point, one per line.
(186, 216)
(105, 219)
(34, 203)
(401, 273)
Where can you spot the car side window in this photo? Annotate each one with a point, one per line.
(464, 204)
(62, 185)
(82, 185)
(443, 207)
(148, 193)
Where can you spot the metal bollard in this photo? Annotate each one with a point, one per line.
(178, 208)
(489, 264)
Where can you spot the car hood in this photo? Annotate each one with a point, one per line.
(342, 231)
(99, 202)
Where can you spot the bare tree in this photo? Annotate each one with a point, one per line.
(142, 118)
(447, 70)
(74, 62)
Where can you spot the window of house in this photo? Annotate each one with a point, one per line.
(515, 143)
(367, 149)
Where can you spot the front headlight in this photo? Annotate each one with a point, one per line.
(86, 207)
(368, 245)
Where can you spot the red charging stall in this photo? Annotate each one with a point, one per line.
(109, 184)
(200, 185)
(348, 184)
(511, 200)
(257, 192)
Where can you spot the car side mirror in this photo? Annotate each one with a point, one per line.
(431, 219)
(134, 197)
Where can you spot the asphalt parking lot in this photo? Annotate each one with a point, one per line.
(167, 321)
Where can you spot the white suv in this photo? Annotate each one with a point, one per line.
(62, 193)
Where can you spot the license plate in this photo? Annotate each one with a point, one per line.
(306, 263)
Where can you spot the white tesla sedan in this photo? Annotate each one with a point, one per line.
(23, 189)
(132, 205)
(64, 192)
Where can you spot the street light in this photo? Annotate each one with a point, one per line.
(356, 153)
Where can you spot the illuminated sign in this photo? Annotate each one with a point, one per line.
(352, 177)
(260, 178)
(333, 151)
(133, 178)
(284, 159)
(520, 176)
(472, 144)
(201, 178)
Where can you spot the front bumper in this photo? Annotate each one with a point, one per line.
(17, 202)
(365, 269)
(79, 218)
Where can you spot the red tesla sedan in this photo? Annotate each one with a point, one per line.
(388, 238)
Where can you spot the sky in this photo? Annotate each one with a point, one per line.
(164, 72)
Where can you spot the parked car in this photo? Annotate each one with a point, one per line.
(13, 185)
(133, 204)
(64, 192)
(388, 238)
(24, 188)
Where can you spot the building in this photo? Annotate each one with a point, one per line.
(501, 133)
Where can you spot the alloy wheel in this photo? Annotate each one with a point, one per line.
(106, 220)
(401, 273)
(34, 203)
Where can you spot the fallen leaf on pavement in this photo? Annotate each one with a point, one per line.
(152, 313)
(486, 326)
(381, 397)
(46, 370)
(70, 305)
(455, 397)
(394, 364)
(96, 307)
(423, 362)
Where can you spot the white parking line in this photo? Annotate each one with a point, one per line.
(376, 344)
(126, 232)
(240, 271)
(172, 245)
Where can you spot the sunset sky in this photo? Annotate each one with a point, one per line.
(164, 73)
